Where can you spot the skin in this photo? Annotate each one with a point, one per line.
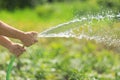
(14, 48)
(27, 38)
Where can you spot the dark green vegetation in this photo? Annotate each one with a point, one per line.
(59, 58)
(20, 4)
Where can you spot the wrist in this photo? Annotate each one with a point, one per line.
(9, 46)
(21, 36)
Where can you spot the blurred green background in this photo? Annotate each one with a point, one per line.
(58, 58)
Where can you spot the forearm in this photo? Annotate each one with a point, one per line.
(9, 31)
(14, 48)
(4, 41)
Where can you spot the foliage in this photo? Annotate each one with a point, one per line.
(110, 3)
(59, 58)
(21, 4)
(13, 4)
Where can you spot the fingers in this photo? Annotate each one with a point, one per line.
(34, 34)
(17, 49)
(20, 50)
(31, 38)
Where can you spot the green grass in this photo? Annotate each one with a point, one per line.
(59, 58)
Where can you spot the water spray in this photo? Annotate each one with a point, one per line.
(83, 28)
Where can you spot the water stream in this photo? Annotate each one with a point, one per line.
(102, 28)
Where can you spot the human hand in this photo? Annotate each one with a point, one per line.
(29, 38)
(16, 49)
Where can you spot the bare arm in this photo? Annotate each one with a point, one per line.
(28, 38)
(4, 41)
(14, 48)
(9, 31)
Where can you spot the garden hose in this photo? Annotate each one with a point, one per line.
(10, 66)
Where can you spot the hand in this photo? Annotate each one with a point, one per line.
(16, 49)
(29, 38)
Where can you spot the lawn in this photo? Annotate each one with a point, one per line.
(59, 58)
